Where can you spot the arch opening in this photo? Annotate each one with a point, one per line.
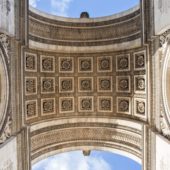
(98, 159)
(73, 8)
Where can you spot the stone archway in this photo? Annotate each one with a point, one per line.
(52, 137)
(4, 84)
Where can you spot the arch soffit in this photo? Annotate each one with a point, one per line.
(126, 139)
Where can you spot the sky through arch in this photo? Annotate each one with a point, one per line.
(73, 8)
(98, 160)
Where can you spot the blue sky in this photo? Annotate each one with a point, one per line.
(98, 160)
(73, 8)
(75, 160)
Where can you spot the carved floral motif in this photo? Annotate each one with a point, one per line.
(66, 65)
(123, 105)
(104, 84)
(47, 64)
(85, 84)
(123, 63)
(123, 84)
(31, 108)
(48, 106)
(86, 104)
(47, 85)
(7, 131)
(105, 104)
(66, 104)
(30, 62)
(66, 84)
(85, 64)
(104, 64)
(31, 84)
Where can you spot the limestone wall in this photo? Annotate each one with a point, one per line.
(7, 17)
(8, 155)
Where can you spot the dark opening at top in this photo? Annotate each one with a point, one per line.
(84, 15)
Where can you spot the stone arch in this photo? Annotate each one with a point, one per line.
(4, 80)
(114, 135)
(165, 115)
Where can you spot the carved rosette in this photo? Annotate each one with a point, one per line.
(66, 104)
(123, 105)
(86, 104)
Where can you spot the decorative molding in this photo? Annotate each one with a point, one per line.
(164, 109)
(165, 37)
(164, 125)
(139, 60)
(140, 108)
(4, 39)
(7, 130)
(47, 64)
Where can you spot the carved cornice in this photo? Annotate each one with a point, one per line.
(165, 37)
(123, 29)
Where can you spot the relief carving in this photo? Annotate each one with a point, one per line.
(66, 104)
(139, 61)
(123, 105)
(123, 63)
(5, 43)
(48, 106)
(123, 83)
(85, 64)
(31, 108)
(47, 64)
(86, 104)
(7, 131)
(164, 125)
(31, 85)
(140, 84)
(66, 65)
(30, 62)
(105, 104)
(104, 64)
(85, 84)
(104, 84)
(165, 37)
(140, 107)
(66, 85)
(47, 85)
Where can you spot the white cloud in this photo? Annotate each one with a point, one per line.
(60, 7)
(33, 3)
(73, 160)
